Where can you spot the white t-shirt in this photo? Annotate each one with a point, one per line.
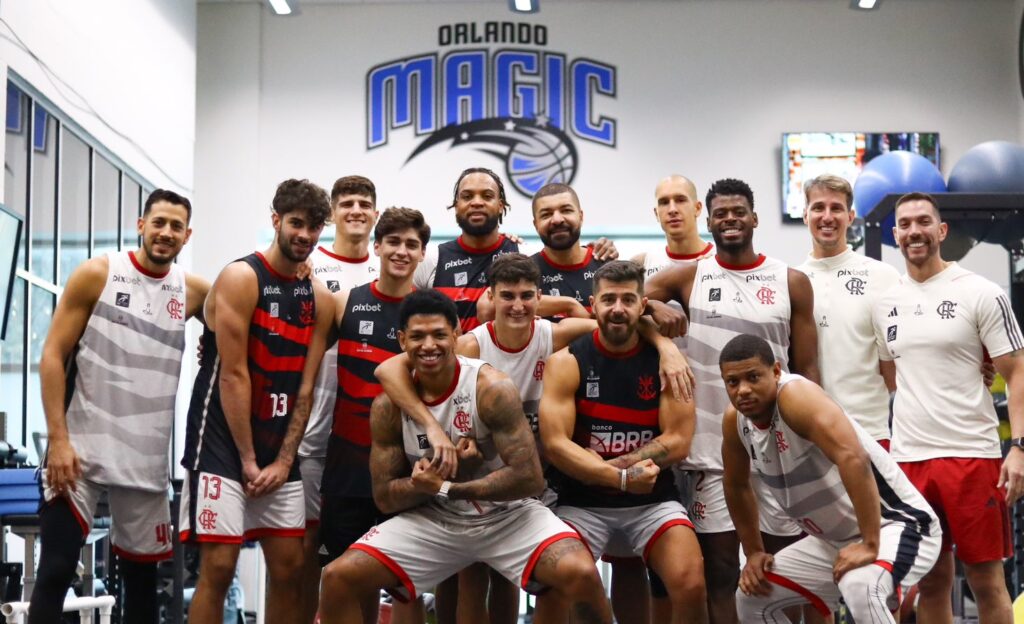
(339, 274)
(661, 258)
(937, 332)
(846, 289)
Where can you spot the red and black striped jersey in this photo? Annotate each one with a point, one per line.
(616, 413)
(568, 280)
(368, 335)
(280, 331)
(461, 274)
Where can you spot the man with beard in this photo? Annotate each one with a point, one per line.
(677, 210)
(937, 324)
(347, 264)
(566, 268)
(610, 435)
(736, 291)
(109, 373)
(266, 332)
(485, 514)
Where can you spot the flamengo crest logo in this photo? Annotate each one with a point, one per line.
(522, 105)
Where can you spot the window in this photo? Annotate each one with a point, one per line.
(78, 201)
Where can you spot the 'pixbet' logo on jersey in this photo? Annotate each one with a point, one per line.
(522, 105)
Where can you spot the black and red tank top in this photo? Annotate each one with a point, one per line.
(368, 335)
(616, 413)
(280, 331)
(461, 274)
(568, 280)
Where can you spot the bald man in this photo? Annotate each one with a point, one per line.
(677, 210)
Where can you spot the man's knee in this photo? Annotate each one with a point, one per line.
(750, 608)
(686, 585)
(217, 567)
(577, 575)
(341, 576)
(868, 581)
(285, 566)
(987, 581)
(939, 580)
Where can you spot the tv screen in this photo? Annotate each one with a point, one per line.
(10, 236)
(806, 155)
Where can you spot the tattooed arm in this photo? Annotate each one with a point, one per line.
(393, 488)
(677, 421)
(501, 409)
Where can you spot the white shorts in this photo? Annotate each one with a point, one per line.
(805, 567)
(140, 527)
(639, 527)
(710, 514)
(424, 546)
(312, 470)
(216, 509)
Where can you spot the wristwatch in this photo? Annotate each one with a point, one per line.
(1018, 442)
(442, 494)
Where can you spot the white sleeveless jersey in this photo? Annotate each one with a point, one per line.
(662, 258)
(846, 289)
(458, 416)
(524, 366)
(725, 302)
(808, 486)
(339, 274)
(124, 380)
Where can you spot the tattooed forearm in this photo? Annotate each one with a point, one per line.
(654, 450)
(502, 411)
(296, 429)
(389, 468)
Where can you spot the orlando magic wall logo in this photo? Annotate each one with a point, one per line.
(522, 107)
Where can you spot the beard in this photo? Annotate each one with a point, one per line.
(616, 335)
(285, 248)
(564, 243)
(483, 229)
(162, 261)
(732, 246)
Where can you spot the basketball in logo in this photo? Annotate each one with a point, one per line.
(540, 158)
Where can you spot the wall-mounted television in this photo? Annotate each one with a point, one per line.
(10, 237)
(806, 155)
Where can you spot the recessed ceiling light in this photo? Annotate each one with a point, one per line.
(281, 7)
(864, 4)
(524, 6)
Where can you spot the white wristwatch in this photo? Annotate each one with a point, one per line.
(442, 494)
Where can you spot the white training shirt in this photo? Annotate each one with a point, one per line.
(339, 274)
(937, 332)
(727, 301)
(525, 366)
(846, 289)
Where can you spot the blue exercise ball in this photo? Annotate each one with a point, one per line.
(894, 172)
(991, 167)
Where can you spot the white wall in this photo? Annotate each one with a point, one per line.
(703, 88)
(133, 63)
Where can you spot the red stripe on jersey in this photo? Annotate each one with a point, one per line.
(614, 413)
(357, 388)
(360, 351)
(280, 327)
(261, 355)
(354, 429)
(343, 407)
(461, 293)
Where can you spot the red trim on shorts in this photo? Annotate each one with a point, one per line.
(390, 564)
(254, 534)
(152, 558)
(81, 521)
(887, 566)
(531, 563)
(580, 534)
(815, 601)
(884, 444)
(661, 531)
(209, 538)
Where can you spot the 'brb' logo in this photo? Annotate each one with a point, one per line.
(521, 105)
